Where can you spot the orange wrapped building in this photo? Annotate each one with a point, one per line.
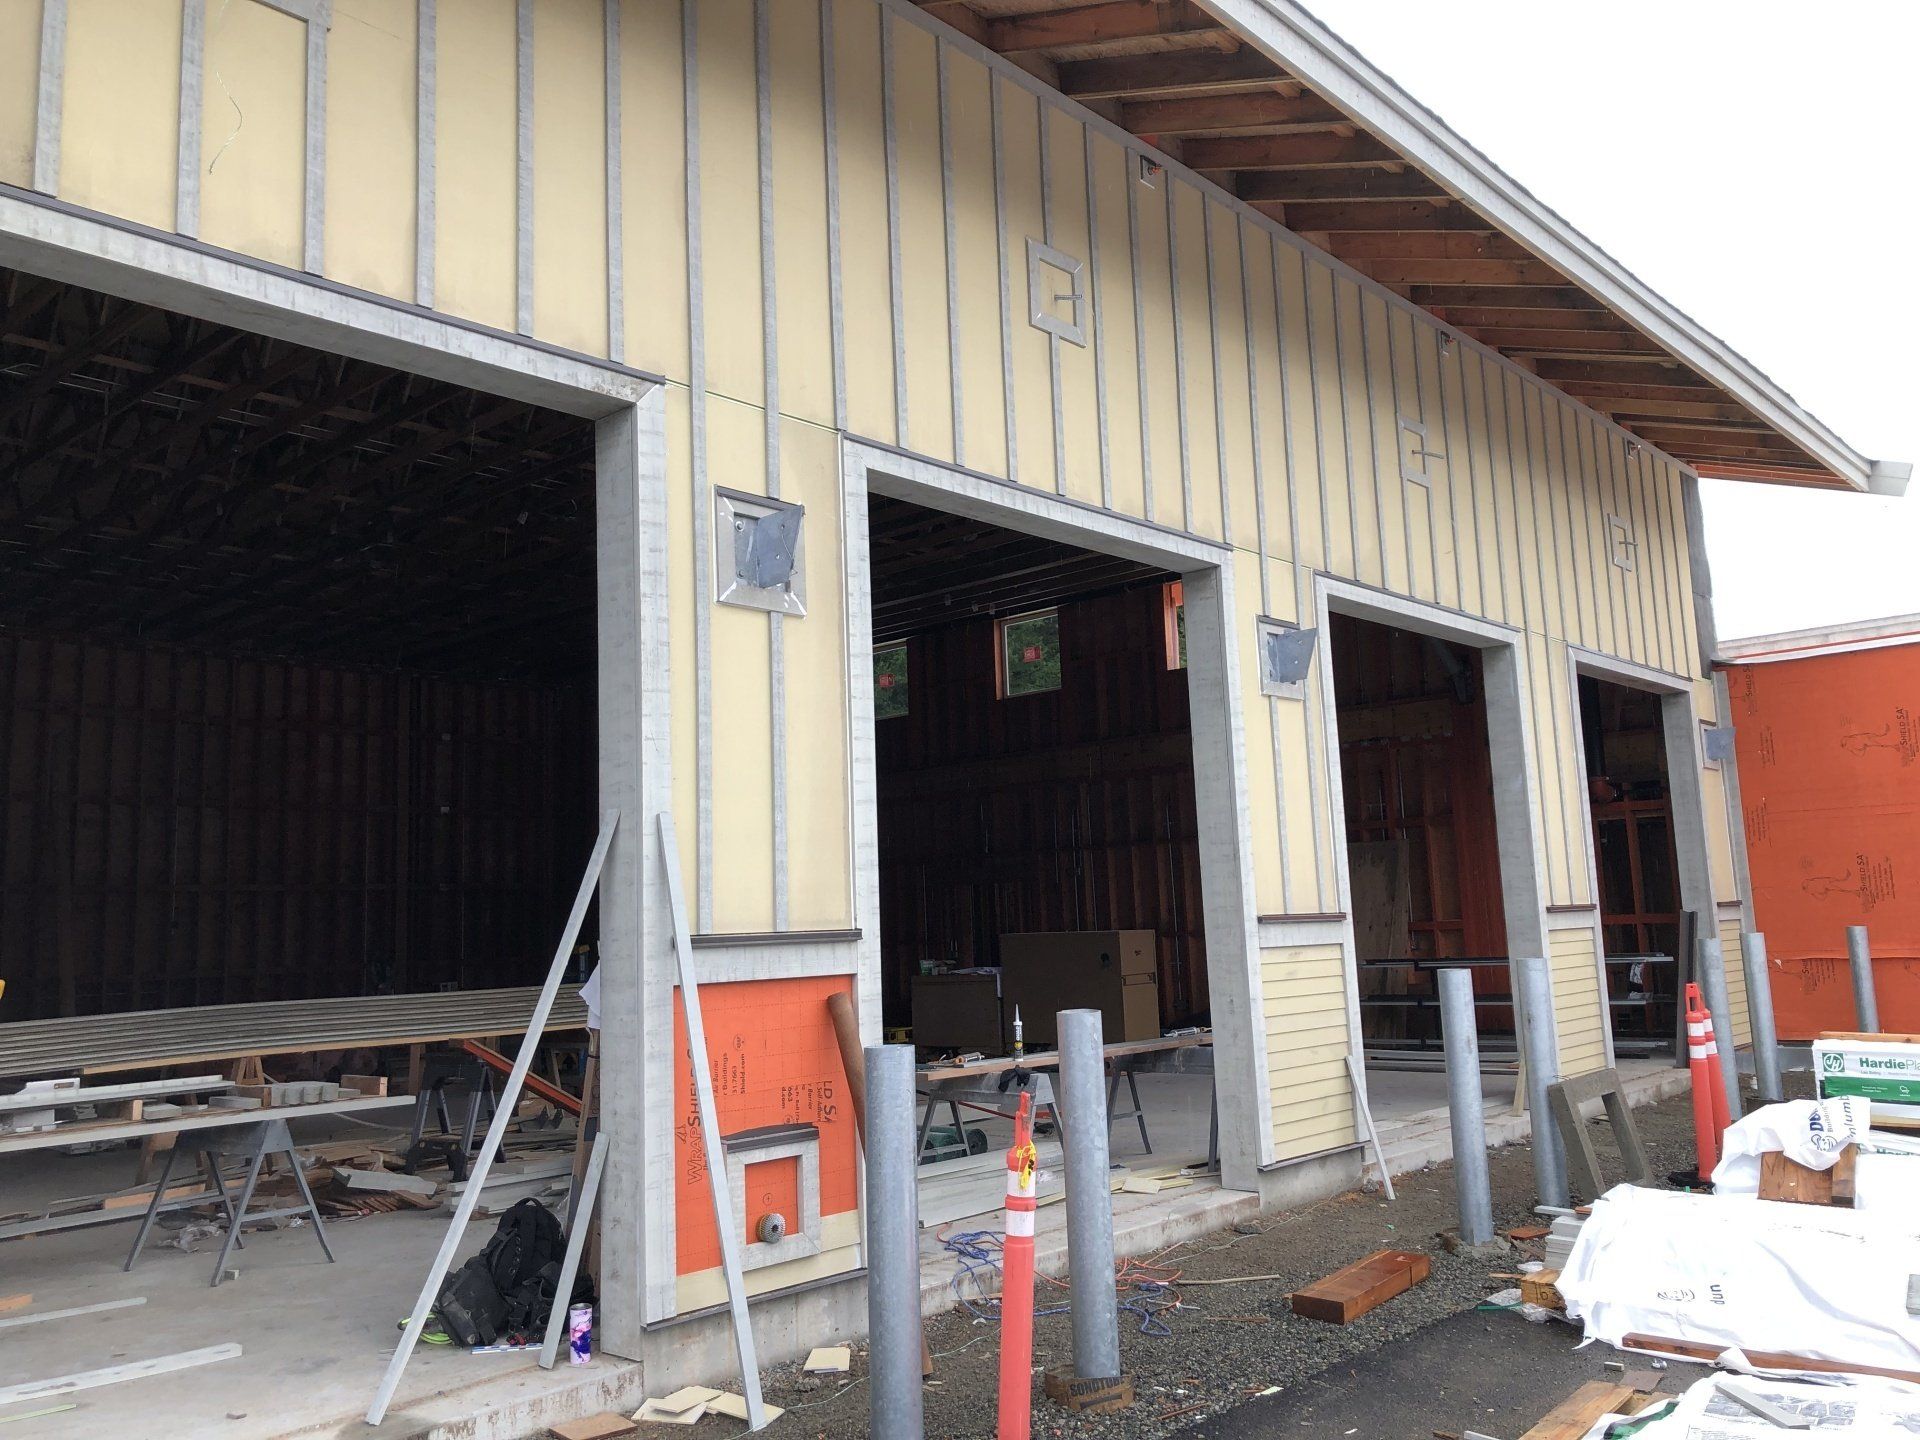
(1827, 739)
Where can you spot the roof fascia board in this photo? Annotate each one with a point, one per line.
(1295, 40)
(1820, 640)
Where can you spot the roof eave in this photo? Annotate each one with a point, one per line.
(1294, 39)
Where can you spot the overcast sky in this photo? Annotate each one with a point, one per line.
(1756, 164)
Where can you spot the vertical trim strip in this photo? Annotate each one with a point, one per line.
(770, 358)
(1006, 285)
(1179, 352)
(50, 96)
(1207, 208)
(951, 234)
(891, 128)
(426, 142)
(523, 168)
(616, 195)
(315, 205)
(830, 117)
(1094, 320)
(1132, 183)
(193, 63)
(702, 501)
(1041, 116)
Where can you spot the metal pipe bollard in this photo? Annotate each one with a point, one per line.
(1766, 1042)
(1712, 968)
(1543, 1069)
(893, 1245)
(1866, 1006)
(1083, 1083)
(1459, 1028)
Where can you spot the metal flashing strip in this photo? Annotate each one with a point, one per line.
(192, 118)
(702, 502)
(523, 168)
(616, 189)
(890, 136)
(313, 250)
(49, 95)
(943, 82)
(770, 359)
(426, 149)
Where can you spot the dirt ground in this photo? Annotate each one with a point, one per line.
(1225, 1344)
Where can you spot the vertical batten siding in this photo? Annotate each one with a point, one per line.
(373, 163)
(1077, 444)
(1030, 353)
(568, 264)
(1118, 325)
(118, 62)
(976, 267)
(866, 294)
(920, 210)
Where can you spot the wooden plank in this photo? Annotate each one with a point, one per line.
(133, 1130)
(1350, 1292)
(113, 1374)
(594, 1427)
(1574, 1416)
(1763, 1359)
(1264, 109)
(1542, 1288)
(1785, 1179)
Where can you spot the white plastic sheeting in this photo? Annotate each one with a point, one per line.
(1809, 1280)
(1866, 1410)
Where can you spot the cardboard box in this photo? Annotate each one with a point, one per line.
(1116, 972)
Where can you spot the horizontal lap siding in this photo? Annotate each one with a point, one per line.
(1576, 998)
(1736, 979)
(1304, 1002)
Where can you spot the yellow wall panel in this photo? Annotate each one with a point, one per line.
(1422, 507)
(653, 208)
(1196, 346)
(1263, 809)
(1235, 381)
(1162, 385)
(1449, 427)
(1588, 524)
(1303, 999)
(923, 243)
(730, 201)
(1267, 398)
(371, 155)
(1113, 320)
(864, 264)
(1294, 508)
(1741, 1016)
(253, 144)
(800, 217)
(120, 108)
(977, 263)
(818, 845)
(19, 85)
(570, 174)
(1337, 523)
(741, 677)
(475, 198)
(1576, 1003)
(1065, 139)
(1032, 369)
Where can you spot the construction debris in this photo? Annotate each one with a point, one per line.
(1350, 1292)
(829, 1360)
(606, 1426)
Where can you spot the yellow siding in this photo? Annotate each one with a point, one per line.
(977, 262)
(1156, 319)
(683, 599)
(653, 215)
(1113, 320)
(253, 144)
(1576, 1002)
(371, 131)
(730, 204)
(19, 86)
(120, 106)
(1079, 402)
(570, 175)
(864, 264)
(923, 244)
(1032, 372)
(1261, 801)
(475, 194)
(800, 219)
(1303, 1000)
(1736, 979)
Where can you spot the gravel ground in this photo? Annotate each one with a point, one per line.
(1229, 1342)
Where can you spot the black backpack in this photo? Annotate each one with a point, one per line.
(508, 1288)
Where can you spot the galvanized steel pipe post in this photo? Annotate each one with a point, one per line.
(1766, 1043)
(1459, 1030)
(1713, 989)
(1542, 1060)
(1866, 1005)
(893, 1246)
(1083, 1086)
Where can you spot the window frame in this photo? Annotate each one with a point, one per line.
(1002, 676)
(906, 653)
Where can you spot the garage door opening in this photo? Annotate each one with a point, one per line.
(1423, 855)
(1038, 835)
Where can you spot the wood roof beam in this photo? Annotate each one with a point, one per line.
(1335, 218)
(1456, 272)
(1097, 24)
(1244, 111)
(1503, 316)
(1514, 297)
(1286, 186)
(1320, 150)
(1175, 73)
(1628, 371)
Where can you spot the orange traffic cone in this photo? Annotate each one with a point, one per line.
(1016, 1289)
(1709, 1095)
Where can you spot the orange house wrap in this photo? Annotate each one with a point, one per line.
(1827, 735)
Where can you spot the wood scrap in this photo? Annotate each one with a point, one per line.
(1350, 1292)
(1542, 1288)
(607, 1426)
(385, 1180)
(734, 1407)
(1760, 1359)
(1785, 1179)
(364, 1084)
(829, 1360)
(1527, 1233)
(1573, 1418)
